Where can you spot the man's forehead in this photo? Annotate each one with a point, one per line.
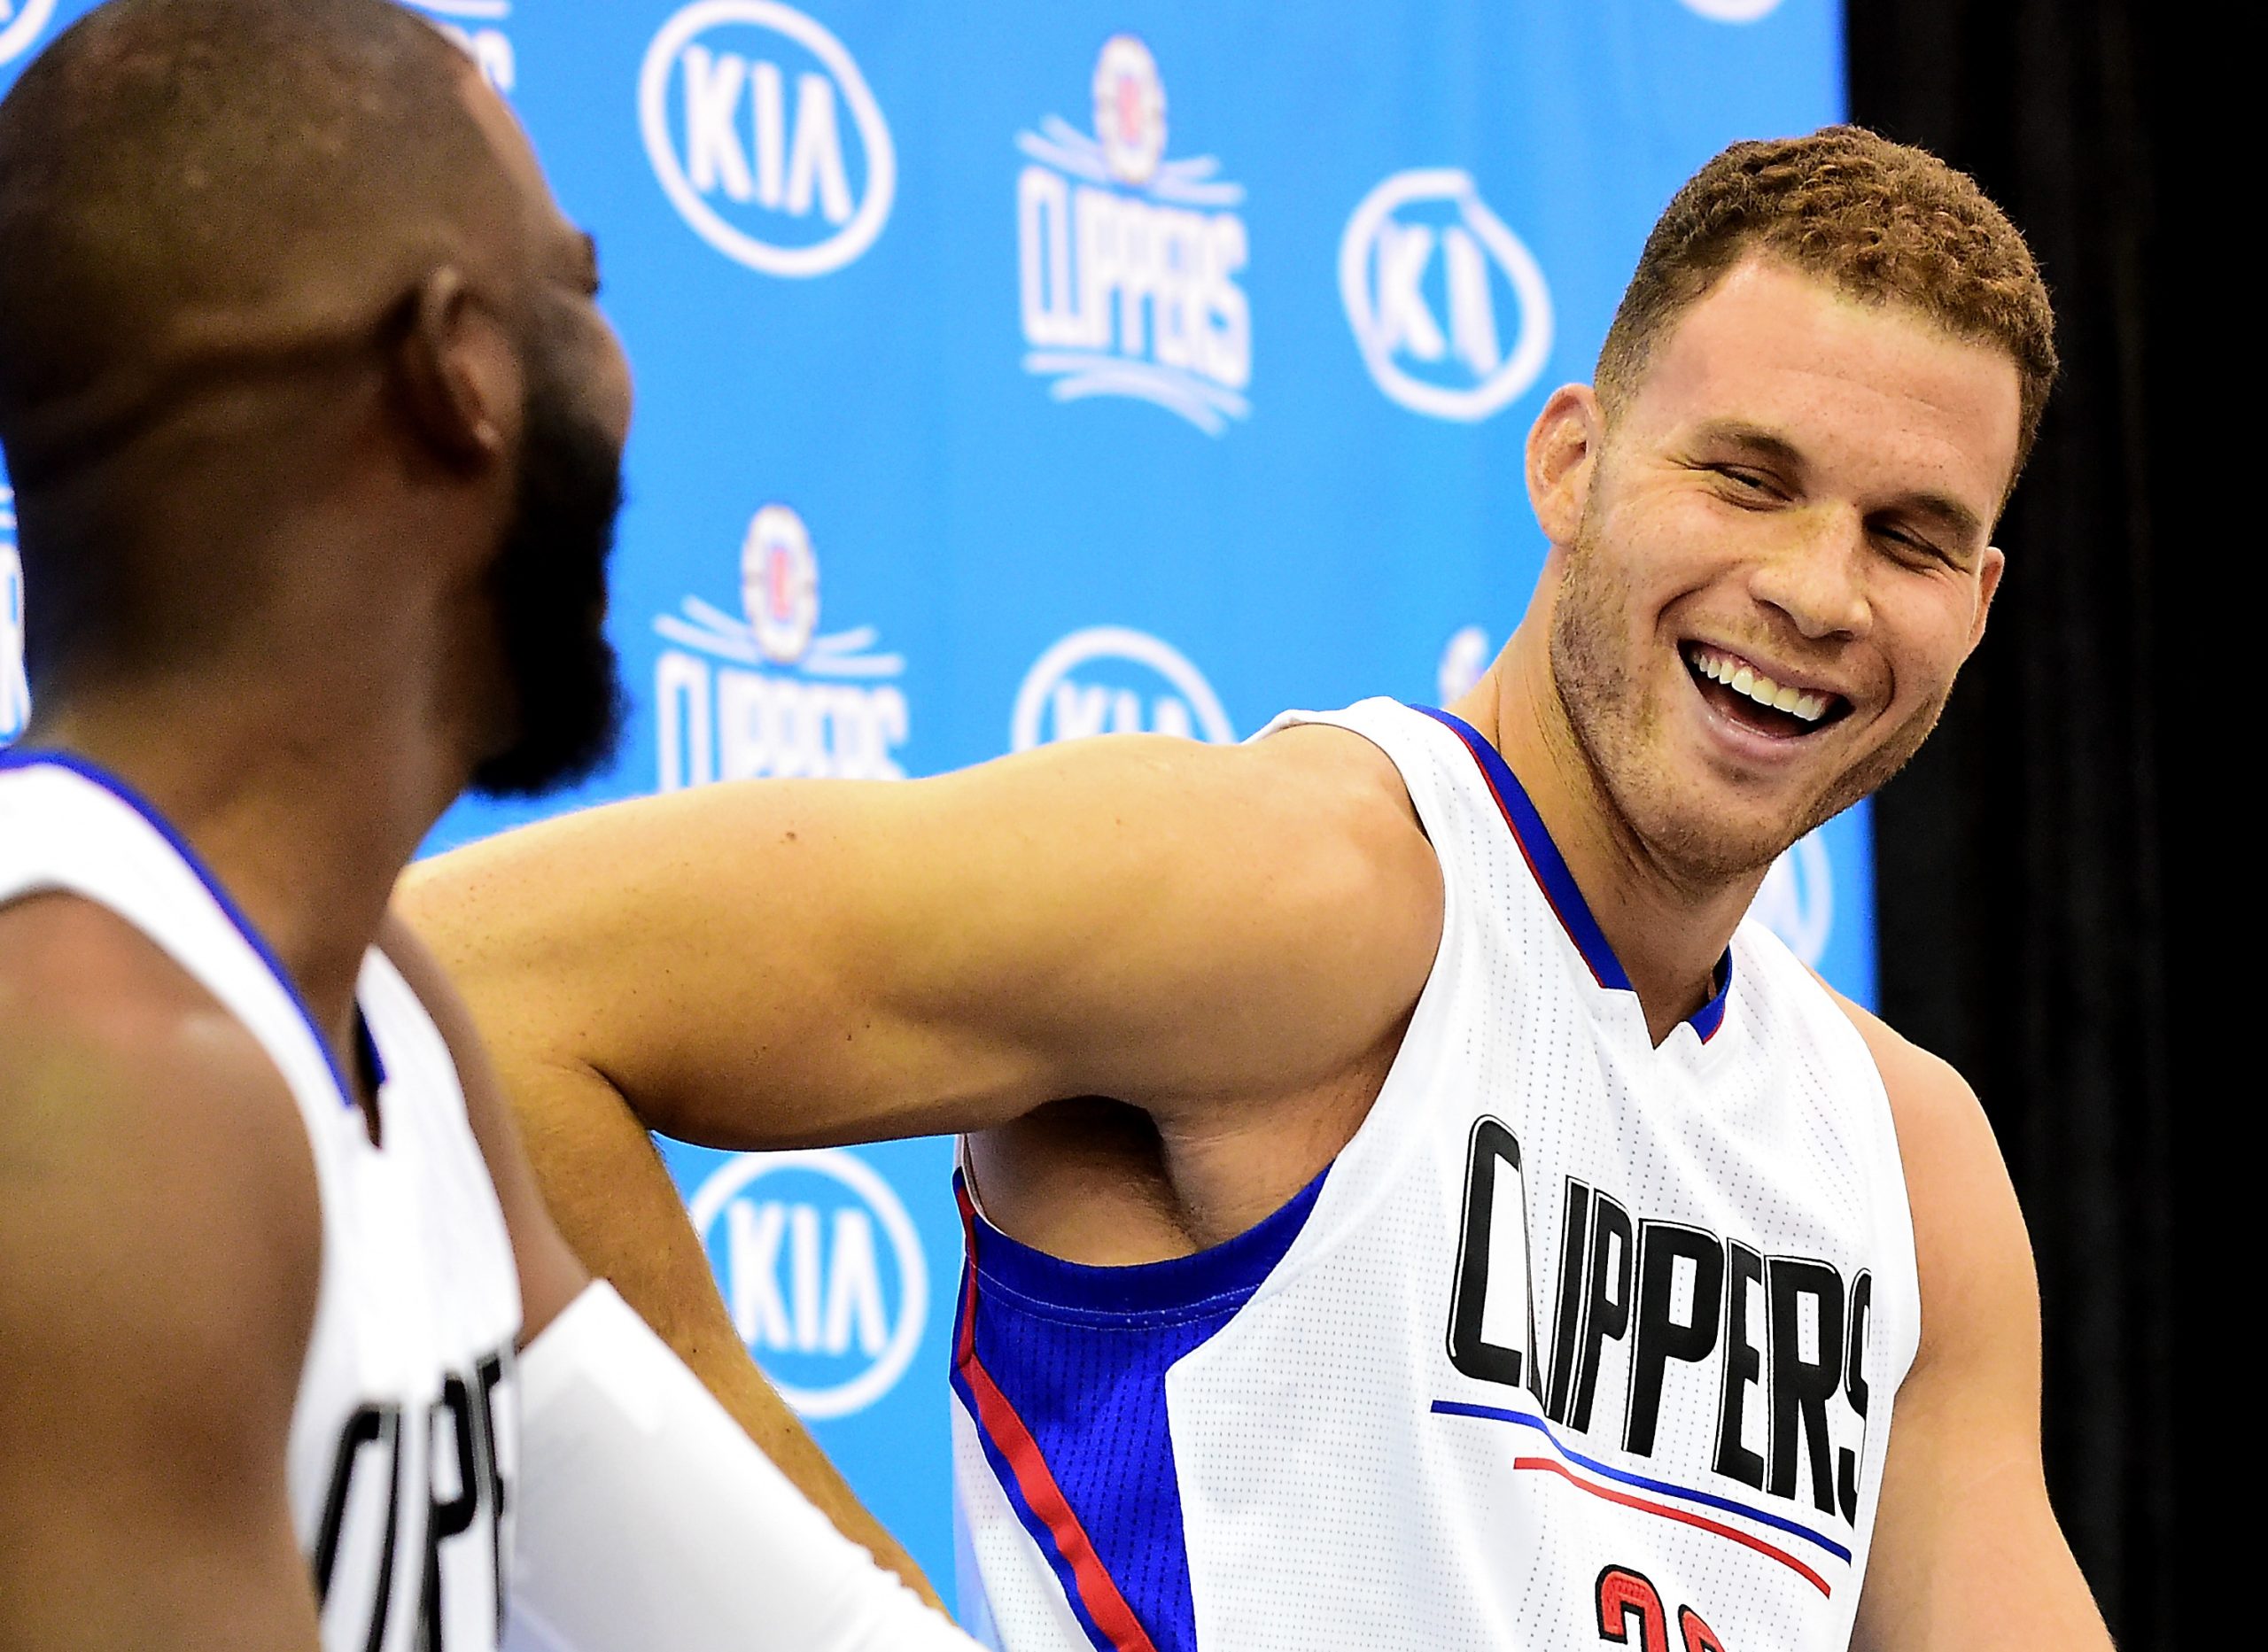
(1789, 351)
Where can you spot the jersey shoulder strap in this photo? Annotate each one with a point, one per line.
(66, 826)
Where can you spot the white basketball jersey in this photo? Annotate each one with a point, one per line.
(404, 1436)
(1579, 1342)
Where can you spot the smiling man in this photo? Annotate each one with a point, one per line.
(1409, 1206)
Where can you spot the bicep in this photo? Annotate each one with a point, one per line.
(1967, 1554)
(159, 1238)
(781, 964)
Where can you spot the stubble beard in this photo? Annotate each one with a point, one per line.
(1617, 726)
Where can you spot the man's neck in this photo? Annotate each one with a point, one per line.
(1669, 930)
(307, 824)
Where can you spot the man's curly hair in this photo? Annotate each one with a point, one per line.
(1882, 222)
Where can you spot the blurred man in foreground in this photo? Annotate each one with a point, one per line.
(315, 430)
(1409, 1207)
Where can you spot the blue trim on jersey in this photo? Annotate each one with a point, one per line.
(1227, 1273)
(1559, 884)
(1005, 1475)
(1528, 1419)
(1081, 1353)
(18, 757)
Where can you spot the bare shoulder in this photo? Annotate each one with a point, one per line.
(90, 1006)
(1972, 1251)
(1936, 1110)
(161, 1242)
(156, 1181)
(1313, 822)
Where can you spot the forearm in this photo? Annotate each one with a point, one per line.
(614, 1202)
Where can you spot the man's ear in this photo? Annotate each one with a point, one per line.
(1562, 449)
(1988, 582)
(459, 372)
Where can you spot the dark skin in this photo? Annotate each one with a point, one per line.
(304, 748)
(145, 1136)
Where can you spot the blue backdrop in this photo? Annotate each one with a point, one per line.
(1013, 373)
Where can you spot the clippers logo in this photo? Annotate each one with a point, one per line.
(474, 24)
(780, 583)
(20, 26)
(1129, 260)
(1110, 681)
(416, 1527)
(1450, 310)
(1797, 899)
(1643, 1321)
(15, 692)
(765, 137)
(822, 1271)
(742, 698)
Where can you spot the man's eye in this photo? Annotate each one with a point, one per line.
(1748, 481)
(1911, 549)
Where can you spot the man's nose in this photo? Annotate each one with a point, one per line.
(1817, 575)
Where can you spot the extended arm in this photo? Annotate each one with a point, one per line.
(773, 964)
(159, 1242)
(769, 965)
(1968, 1557)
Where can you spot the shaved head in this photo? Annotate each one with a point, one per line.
(295, 345)
(190, 186)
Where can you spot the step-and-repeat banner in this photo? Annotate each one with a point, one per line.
(1035, 369)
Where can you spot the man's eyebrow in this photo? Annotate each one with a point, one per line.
(1753, 440)
(1948, 512)
(1769, 446)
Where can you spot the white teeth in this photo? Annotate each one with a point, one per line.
(1745, 679)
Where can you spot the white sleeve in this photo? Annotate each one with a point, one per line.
(645, 1518)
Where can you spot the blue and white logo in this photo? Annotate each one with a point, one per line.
(1797, 899)
(1449, 308)
(765, 136)
(1129, 260)
(761, 693)
(21, 22)
(822, 1272)
(1109, 679)
(478, 26)
(15, 693)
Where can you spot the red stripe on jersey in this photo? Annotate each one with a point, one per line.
(1097, 1593)
(1553, 1465)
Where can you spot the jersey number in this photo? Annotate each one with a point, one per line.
(1628, 1604)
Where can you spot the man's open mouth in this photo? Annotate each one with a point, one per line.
(1747, 696)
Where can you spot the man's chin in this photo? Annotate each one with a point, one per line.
(1703, 840)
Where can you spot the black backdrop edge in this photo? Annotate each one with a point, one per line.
(2037, 865)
